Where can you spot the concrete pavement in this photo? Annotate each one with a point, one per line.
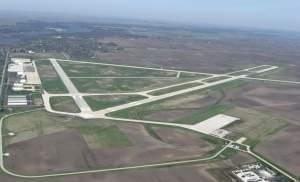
(129, 66)
(271, 80)
(103, 112)
(84, 107)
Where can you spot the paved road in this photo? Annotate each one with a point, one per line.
(271, 165)
(84, 107)
(3, 73)
(250, 152)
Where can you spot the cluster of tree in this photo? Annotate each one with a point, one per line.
(79, 40)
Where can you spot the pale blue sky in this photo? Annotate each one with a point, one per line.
(273, 14)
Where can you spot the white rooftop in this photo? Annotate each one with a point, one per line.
(249, 176)
(214, 123)
(15, 68)
(20, 60)
(32, 78)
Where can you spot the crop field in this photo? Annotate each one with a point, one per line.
(255, 126)
(264, 122)
(90, 142)
(203, 171)
(272, 112)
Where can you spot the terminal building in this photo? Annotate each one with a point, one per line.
(23, 76)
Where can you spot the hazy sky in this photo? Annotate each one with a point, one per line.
(274, 14)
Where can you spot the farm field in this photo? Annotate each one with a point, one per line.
(281, 102)
(93, 143)
(266, 110)
(203, 171)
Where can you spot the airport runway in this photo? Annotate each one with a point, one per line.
(84, 107)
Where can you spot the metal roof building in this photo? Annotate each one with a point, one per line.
(17, 100)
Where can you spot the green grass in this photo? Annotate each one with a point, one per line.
(30, 125)
(39, 55)
(255, 125)
(227, 154)
(54, 86)
(108, 85)
(216, 142)
(104, 136)
(37, 97)
(39, 123)
(204, 114)
(221, 174)
(94, 70)
(229, 85)
(50, 79)
(64, 103)
(102, 102)
(151, 131)
(219, 144)
(11, 92)
(175, 88)
(141, 112)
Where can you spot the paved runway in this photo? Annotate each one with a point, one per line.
(84, 107)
